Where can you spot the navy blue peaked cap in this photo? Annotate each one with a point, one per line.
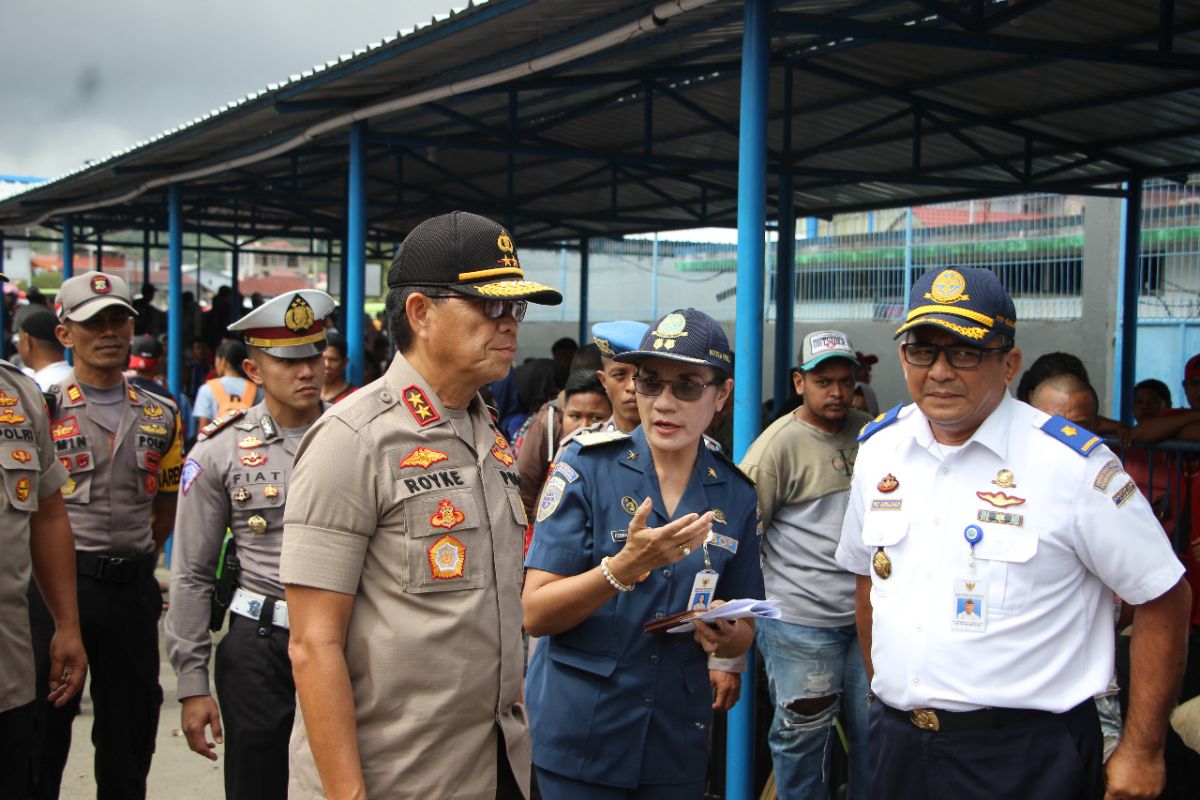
(686, 335)
(969, 302)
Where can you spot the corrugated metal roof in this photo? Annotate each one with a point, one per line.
(1034, 95)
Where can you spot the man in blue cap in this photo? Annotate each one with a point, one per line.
(630, 527)
(613, 339)
(970, 495)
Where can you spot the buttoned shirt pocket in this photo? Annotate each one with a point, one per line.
(444, 542)
(1005, 556)
(887, 529)
(20, 478)
(80, 465)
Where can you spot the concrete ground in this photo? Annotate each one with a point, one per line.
(176, 773)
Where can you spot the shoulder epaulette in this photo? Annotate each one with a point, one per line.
(219, 423)
(593, 438)
(734, 468)
(155, 396)
(1076, 437)
(879, 423)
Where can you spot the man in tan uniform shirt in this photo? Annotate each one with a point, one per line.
(122, 447)
(403, 542)
(237, 477)
(35, 536)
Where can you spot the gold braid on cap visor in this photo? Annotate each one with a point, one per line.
(295, 342)
(961, 330)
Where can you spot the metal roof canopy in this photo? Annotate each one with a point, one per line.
(574, 118)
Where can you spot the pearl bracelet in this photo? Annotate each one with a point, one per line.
(608, 576)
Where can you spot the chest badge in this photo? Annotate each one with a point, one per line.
(83, 459)
(68, 488)
(7, 400)
(153, 411)
(22, 455)
(631, 455)
(629, 505)
(447, 558)
(423, 457)
(1004, 479)
(257, 523)
(252, 459)
(153, 430)
(250, 442)
(882, 564)
(241, 495)
(446, 516)
(888, 484)
(271, 492)
(712, 473)
(23, 489)
(503, 456)
(10, 417)
(719, 516)
(1000, 499)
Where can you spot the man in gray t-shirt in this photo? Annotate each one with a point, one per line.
(802, 465)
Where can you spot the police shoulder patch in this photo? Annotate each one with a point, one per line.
(1078, 438)
(191, 471)
(220, 423)
(879, 423)
(595, 438)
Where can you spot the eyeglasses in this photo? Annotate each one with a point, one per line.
(492, 309)
(682, 390)
(959, 356)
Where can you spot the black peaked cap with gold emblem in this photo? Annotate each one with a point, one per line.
(970, 302)
(467, 254)
(291, 325)
(686, 335)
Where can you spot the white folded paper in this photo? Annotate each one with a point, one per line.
(735, 609)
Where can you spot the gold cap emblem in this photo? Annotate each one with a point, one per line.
(670, 329)
(948, 287)
(299, 317)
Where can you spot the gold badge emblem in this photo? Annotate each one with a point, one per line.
(69, 487)
(446, 516)
(241, 494)
(299, 317)
(925, 718)
(503, 456)
(712, 473)
(74, 394)
(258, 523)
(153, 411)
(22, 455)
(1000, 499)
(888, 484)
(253, 459)
(101, 285)
(1070, 430)
(447, 558)
(948, 287)
(249, 443)
(23, 489)
(132, 395)
(271, 492)
(670, 329)
(508, 253)
(423, 457)
(719, 516)
(882, 564)
(10, 417)
(629, 505)
(6, 400)
(153, 430)
(1004, 479)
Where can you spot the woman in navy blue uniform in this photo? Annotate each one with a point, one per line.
(631, 528)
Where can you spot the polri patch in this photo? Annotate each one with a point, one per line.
(191, 471)
(447, 558)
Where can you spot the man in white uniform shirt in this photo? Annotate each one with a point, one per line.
(969, 494)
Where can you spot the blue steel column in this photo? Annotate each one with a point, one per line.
(68, 246)
(747, 393)
(785, 260)
(175, 290)
(585, 334)
(1131, 289)
(356, 249)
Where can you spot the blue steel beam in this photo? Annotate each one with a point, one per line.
(68, 246)
(353, 291)
(175, 290)
(751, 252)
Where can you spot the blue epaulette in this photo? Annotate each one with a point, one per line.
(879, 423)
(1079, 439)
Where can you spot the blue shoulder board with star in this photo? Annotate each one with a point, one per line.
(879, 423)
(1076, 437)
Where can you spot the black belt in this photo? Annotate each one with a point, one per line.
(114, 569)
(935, 719)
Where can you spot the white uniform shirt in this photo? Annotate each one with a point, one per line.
(1047, 638)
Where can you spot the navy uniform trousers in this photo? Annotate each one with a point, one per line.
(119, 622)
(1035, 757)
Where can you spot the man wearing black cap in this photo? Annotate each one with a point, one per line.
(969, 494)
(403, 539)
(39, 347)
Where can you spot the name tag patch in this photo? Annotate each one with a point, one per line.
(886, 505)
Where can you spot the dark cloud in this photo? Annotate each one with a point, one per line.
(83, 78)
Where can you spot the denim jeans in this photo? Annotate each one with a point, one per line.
(807, 663)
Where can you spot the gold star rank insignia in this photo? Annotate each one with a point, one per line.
(418, 403)
(712, 473)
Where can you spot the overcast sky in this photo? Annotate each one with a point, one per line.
(82, 78)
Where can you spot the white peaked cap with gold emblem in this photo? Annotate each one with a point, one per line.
(291, 325)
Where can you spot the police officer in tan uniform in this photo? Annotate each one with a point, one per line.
(402, 544)
(237, 478)
(35, 537)
(122, 448)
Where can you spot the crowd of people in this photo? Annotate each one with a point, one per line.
(988, 599)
